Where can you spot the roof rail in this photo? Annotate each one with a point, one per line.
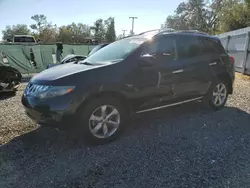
(158, 30)
(167, 29)
(192, 31)
(127, 36)
(148, 31)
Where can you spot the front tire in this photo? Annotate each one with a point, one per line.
(218, 95)
(101, 120)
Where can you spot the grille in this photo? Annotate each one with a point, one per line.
(33, 88)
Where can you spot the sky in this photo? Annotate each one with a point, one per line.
(151, 13)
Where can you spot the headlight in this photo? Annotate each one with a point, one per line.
(42, 92)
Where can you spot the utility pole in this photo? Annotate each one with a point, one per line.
(133, 18)
(124, 32)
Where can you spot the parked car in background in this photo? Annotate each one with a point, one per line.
(69, 59)
(24, 39)
(137, 74)
(76, 58)
(10, 79)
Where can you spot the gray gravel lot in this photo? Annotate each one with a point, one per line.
(184, 146)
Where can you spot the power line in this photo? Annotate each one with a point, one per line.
(133, 18)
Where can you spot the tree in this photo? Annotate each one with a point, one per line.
(110, 35)
(99, 29)
(65, 34)
(45, 31)
(41, 22)
(196, 15)
(234, 15)
(72, 33)
(79, 32)
(19, 29)
(48, 34)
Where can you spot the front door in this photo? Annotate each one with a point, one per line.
(153, 80)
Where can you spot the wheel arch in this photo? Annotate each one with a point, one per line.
(111, 94)
(226, 78)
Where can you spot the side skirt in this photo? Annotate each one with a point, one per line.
(169, 105)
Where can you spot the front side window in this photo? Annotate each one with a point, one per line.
(164, 46)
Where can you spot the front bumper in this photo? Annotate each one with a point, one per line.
(57, 112)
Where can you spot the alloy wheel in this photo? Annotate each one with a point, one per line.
(104, 121)
(219, 94)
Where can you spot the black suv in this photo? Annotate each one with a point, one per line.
(137, 74)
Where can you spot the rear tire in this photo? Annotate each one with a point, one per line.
(218, 94)
(101, 120)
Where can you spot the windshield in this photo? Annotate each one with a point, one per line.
(115, 51)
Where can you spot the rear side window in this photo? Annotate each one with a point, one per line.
(189, 46)
(211, 46)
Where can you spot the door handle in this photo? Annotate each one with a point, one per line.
(166, 54)
(177, 71)
(214, 63)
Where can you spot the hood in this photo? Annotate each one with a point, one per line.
(63, 70)
(52, 65)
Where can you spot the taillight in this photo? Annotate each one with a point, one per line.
(232, 59)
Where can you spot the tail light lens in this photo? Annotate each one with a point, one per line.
(232, 59)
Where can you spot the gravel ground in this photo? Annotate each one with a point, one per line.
(184, 146)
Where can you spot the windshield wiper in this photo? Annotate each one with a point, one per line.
(86, 63)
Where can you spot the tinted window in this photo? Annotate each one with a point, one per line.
(211, 46)
(189, 46)
(160, 46)
(24, 39)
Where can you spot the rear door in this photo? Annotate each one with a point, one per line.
(192, 79)
(218, 59)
